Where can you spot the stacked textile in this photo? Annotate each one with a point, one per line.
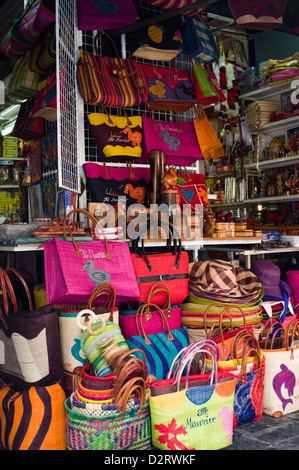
(215, 285)
(258, 113)
(278, 71)
(277, 300)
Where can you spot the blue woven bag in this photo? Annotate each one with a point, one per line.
(160, 349)
(198, 40)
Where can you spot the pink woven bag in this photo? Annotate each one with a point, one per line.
(130, 323)
(73, 270)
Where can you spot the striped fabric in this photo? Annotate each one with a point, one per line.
(34, 419)
(27, 30)
(161, 351)
(90, 345)
(193, 315)
(35, 22)
(210, 51)
(174, 4)
(23, 82)
(98, 85)
(198, 40)
(223, 279)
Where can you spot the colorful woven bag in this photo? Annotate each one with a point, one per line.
(198, 417)
(23, 83)
(33, 419)
(160, 349)
(124, 424)
(68, 265)
(97, 336)
(170, 266)
(71, 325)
(107, 184)
(30, 337)
(129, 320)
(110, 81)
(198, 40)
(247, 364)
(118, 138)
(208, 140)
(176, 139)
(170, 88)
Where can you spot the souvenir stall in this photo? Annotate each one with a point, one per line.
(140, 134)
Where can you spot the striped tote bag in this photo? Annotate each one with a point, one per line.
(33, 419)
(198, 40)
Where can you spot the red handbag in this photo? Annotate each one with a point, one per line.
(192, 189)
(171, 267)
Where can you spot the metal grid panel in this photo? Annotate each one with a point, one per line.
(67, 97)
(182, 62)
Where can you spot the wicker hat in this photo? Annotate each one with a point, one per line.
(269, 275)
(223, 279)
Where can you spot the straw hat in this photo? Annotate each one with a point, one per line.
(223, 279)
(269, 275)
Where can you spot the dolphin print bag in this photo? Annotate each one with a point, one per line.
(73, 270)
(281, 380)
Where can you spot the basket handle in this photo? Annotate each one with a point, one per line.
(248, 338)
(127, 390)
(140, 312)
(104, 289)
(20, 277)
(93, 219)
(159, 286)
(293, 328)
(124, 375)
(123, 356)
(247, 352)
(206, 315)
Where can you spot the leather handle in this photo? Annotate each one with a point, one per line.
(93, 219)
(161, 286)
(243, 374)
(140, 312)
(104, 289)
(24, 283)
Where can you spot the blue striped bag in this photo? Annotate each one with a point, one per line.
(160, 349)
(198, 40)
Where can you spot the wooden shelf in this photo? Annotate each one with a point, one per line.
(276, 163)
(269, 92)
(276, 127)
(260, 200)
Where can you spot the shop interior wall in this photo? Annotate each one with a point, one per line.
(274, 44)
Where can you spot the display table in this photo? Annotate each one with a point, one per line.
(248, 253)
(190, 245)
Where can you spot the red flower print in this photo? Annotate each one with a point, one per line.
(169, 435)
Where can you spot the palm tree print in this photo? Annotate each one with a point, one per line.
(169, 435)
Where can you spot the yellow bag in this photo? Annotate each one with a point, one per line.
(117, 136)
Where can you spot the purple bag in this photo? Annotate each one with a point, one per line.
(73, 270)
(176, 139)
(265, 14)
(105, 14)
